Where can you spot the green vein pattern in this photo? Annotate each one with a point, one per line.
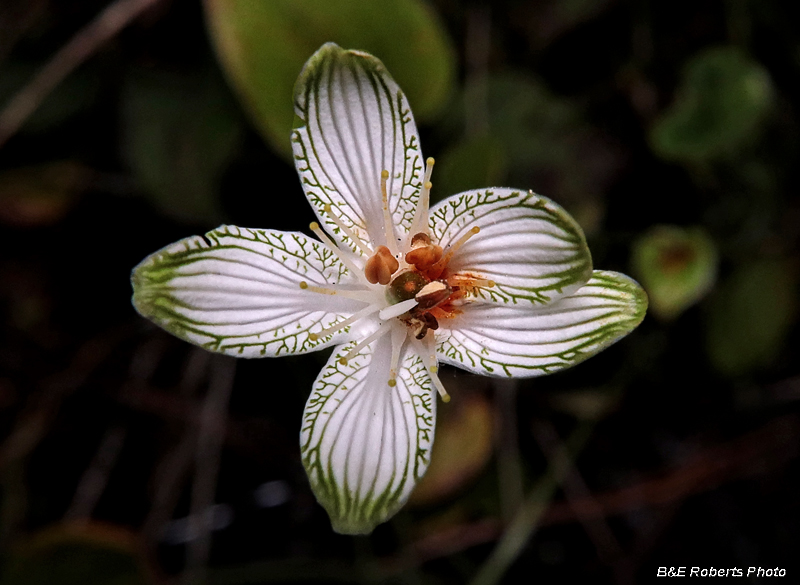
(525, 341)
(365, 444)
(236, 291)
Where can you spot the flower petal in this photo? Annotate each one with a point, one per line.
(529, 246)
(354, 123)
(237, 291)
(366, 444)
(525, 341)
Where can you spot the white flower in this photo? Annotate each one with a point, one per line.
(496, 281)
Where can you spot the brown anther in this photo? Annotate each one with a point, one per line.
(380, 266)
(423, 253)
(420, 239)
(432, 294)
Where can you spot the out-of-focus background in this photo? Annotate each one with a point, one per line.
(669, 129)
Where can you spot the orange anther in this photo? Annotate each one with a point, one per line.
(380, 266)
(423, 253)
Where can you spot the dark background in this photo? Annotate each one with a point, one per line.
(113, 432)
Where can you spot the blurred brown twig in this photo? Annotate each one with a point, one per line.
(81, 46)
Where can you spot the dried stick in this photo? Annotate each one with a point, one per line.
(85, 42)
(211, 433)
(530, 513)
(94, 480)
(174, 468)
(509, 467)
(777, 443)
(575, 489)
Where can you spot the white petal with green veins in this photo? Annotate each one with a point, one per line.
(237, 291)
(529, 246)
(354, 122)
(365, 444)
(524, 340)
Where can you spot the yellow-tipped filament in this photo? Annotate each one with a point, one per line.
(388, 225)
(347, 231)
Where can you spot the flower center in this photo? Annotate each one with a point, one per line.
(427, 281)
(418, 288)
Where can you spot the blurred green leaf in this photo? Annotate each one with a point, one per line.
(750, 315)
(462, 449)
(179, 133)
(95, 555)
(533, 125)
(547, 144)
(722, 99)
(263, 46)
(473, 163)
(677, 267)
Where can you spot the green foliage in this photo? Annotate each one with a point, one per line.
(178, 136)
(462, 449)
(533, 124)
(751, 315)
(98, 556)
(531, 138)
(677, 267)
(472, 163)
(263, 46)
(722, 99)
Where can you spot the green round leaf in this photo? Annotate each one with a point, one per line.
(751, 315)
(722, 99)
(263, 45)
(677, 267)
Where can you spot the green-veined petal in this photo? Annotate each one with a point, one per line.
(525, 340)
(528, 245)
(237, 291)
(354, 122)
(364, 443)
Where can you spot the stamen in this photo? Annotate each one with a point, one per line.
(342, 324)
(340, 254)
(428, 357)
(357, 295)
(439, 386)
(347, 231)
(397, 309)
(469, 281)
(381, 266)
(388, 227)
(423, 253)
(398, 339)
(364, 342)
(420, 223)
(460, 242)
(437, 268)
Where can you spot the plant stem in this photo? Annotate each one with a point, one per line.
(527, 519)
